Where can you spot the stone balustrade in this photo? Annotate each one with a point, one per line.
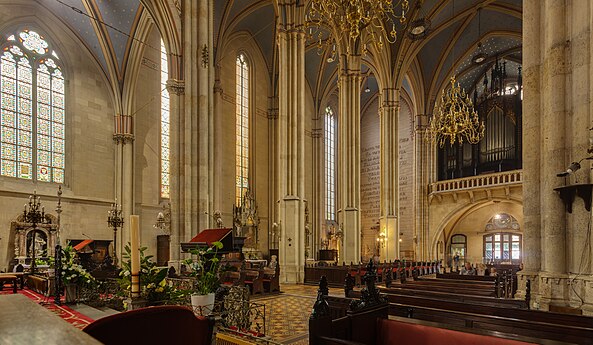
(481, 181)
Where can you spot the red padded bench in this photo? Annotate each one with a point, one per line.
(405, 333)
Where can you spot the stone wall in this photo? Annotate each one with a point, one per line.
(406, 180)
(89, 179)
(259, 92)
(370, 178)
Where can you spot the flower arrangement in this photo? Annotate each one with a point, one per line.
(153, 283)
(205, 268)
(72, 272)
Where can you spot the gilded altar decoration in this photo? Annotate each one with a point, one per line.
(246, 220)
(456, 119)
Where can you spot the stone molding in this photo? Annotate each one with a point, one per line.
(176, 87)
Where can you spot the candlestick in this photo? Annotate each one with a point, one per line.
(135, 254)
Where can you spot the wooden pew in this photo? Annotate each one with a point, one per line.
(554, 326)
(271, 279)
(437, 295)
(450, 289)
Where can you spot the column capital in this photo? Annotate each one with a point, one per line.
(176, 87)
(123, 132)
(273, 114)
(317, 133)
(123, 138)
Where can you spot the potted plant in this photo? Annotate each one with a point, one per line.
(205, 269)
(73, 274)
(153, 284)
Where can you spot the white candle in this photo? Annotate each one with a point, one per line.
(135, 244)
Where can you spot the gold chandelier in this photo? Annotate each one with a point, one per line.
(351, 17)
(456, 120)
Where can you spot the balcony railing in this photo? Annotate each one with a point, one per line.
(481, 181)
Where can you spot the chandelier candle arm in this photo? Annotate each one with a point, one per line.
(456, 119)
(348, 19)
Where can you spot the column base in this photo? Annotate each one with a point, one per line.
(176, 264)
(522, 277)
(553, 290)
(580, 291)
(292, 274)
(135, 303)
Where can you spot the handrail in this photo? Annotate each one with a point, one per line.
(480, 181)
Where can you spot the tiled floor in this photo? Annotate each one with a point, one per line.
(287, 314)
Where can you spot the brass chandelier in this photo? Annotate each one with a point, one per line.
(456, 120)
(349, 18)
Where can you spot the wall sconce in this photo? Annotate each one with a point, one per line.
(381, 239)
(401, 234)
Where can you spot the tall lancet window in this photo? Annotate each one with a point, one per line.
(165, 134)
(330, 165)
(242, 129)
(32, 109)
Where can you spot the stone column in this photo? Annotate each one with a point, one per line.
(316, 207)
(176, 91)
(124, 139)
(421, 157)
(553, 282)
(273, 139)
(291, 160)
(349, 156)
(197, 136)
(389, 173)
(531, 148)
(205, 137)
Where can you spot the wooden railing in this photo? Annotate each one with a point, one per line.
(481, 181)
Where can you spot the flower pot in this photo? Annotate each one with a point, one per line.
(71, 294)
(202, 304)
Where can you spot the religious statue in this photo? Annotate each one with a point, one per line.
(218, 219)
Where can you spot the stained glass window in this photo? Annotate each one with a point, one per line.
(242, 129)
(165, 133)
(330, 165)
(32, 109)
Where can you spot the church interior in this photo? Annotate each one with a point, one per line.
(324, 171)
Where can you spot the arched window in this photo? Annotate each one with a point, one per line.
(242, 129)
(330, 165)
(32, 109)
(165, 166)
(502, 242)
(458, 248)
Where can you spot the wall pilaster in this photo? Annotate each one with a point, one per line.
(389, 112)
(349, 156)
(291, 149)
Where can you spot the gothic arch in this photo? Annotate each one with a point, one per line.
(456, 215)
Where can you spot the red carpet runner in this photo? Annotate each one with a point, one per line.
(74, 318)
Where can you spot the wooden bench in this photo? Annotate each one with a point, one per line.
(451, 296)
(450, 289)
(271, 279)
(531, 323)
(371, 326)
(254, 280)
(8, 278)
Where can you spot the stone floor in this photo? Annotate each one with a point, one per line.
(288, 313)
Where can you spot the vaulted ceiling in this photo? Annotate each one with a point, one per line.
(457, 26)
(108, 37)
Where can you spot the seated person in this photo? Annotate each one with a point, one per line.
(468, 270)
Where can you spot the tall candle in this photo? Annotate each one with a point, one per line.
(135, 243)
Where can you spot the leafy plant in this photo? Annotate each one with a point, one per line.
(153, 283)
(205, 268)
(73, 272)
